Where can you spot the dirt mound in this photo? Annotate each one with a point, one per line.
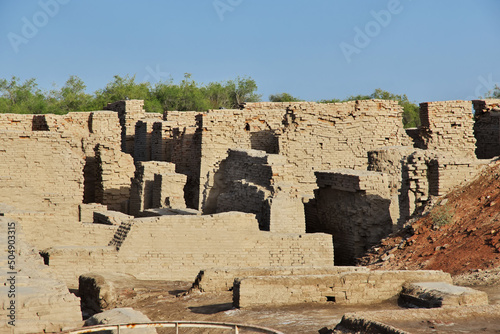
(460, 234)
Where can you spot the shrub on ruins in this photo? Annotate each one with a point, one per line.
(494, 93)
(283, 97)
(442, 216)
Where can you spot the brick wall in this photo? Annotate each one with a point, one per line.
(344, 288)
(178, 247)
(176, 140)
(263, 184)
(487, 128)
(338, 135)
(115, 171)
(42, 302)
(41, 171)
(392, 161)
(447, 126)
(353, 206)
(129, 112)
(142, 188)
(222, 279)
(310, 135)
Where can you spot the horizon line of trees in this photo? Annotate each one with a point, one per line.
(27, 98)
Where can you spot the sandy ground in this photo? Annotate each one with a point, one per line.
(164, 300)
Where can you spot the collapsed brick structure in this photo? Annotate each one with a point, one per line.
(487, 128)
(293, 167)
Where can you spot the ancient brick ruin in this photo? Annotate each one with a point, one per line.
(271, 185)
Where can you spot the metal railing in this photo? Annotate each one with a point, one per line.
(174, 324)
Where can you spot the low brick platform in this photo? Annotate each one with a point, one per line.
(344, 288)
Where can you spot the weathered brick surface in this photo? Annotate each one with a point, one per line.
(343, 288)
(353, 206)
(487, 128)
(42, 302)
(415, 175)
(129, 112)
(168, 191)
(260, 183)
(115, 171)
(143, 184)
(448, 126)
(310, 135)
(222, 279)
(41, 171)
(42, 147)
(178, 247)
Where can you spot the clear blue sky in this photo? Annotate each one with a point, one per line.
(430, 50)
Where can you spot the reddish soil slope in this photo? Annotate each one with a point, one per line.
(459, 234)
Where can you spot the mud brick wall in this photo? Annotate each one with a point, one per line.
(41, 171)
(168, 191)
(43, 230)
(223, 129)
(312, 136)
(222, 279)
(393, 161)
(142, 141)
(43, 303)
(487, 128)
(182, 245)
(176, 140)
(263, 184)
(447, 172)
(178, 247)
(353, 206)
(91, 128)
(344, 289)
(142, 187)
(87, 212)
(415, 175)
(434, 173)
(338, 135)
(85, 129)
(129, 112)
(448, 126)
(22, 122)
(115, 171)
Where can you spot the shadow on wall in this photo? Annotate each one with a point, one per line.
(89, 180)
(39, 123)
(357, 221)
(219, 186)
(265, 140)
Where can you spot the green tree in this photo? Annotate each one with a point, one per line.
(71, 97)
(283, 97)
(22, 98)
(242, 90)
(121, 88)
(187, 95)
(494, 93)
(330, 101)
(218, 95)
